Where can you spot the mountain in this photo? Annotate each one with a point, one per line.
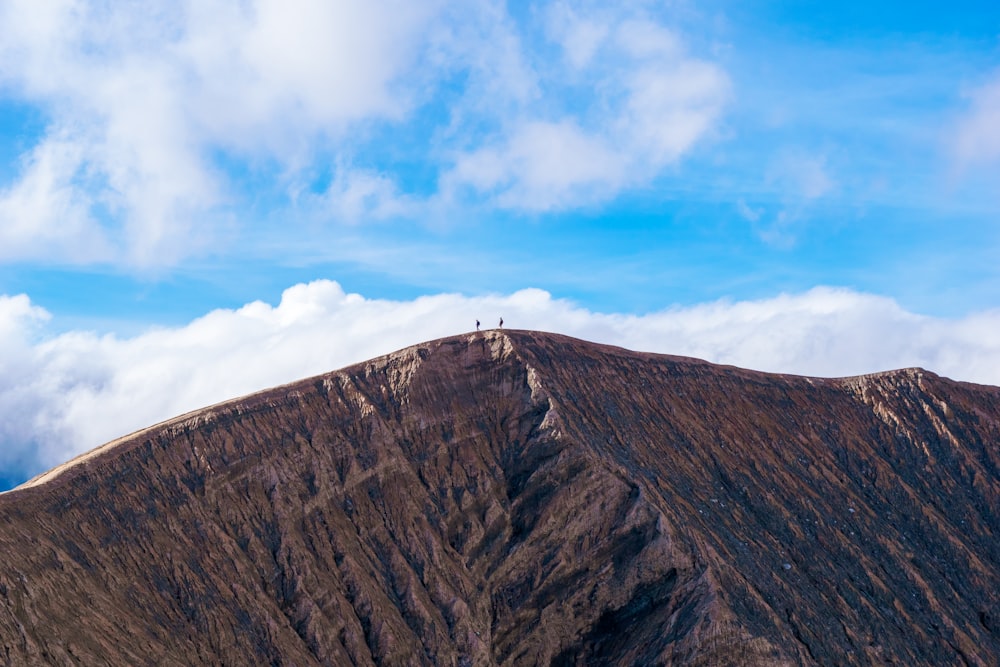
(522, 498)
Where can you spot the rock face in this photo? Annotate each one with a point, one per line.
(520, 498)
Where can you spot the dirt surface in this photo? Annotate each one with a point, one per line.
(520, 498)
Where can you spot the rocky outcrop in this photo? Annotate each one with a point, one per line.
(518, 498)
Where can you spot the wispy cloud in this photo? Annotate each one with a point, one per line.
(142, 100)
(977, 136)
(543, 166)
(648, 102)
(63, 394)
(795, 182)
(355, 195)
(580, 35)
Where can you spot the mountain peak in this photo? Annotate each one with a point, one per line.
(515, 497)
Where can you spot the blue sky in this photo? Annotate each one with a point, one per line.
(792, 186)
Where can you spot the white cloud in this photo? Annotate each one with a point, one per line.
(481, 43)
(580, 36)
(64, 394)
(117, 146)
(44, 213)
(292, 68)
(140, 95)
(20, 323)
(157, 110)
(543, 166)
(637, 109)
(356, 195)
(671, 105)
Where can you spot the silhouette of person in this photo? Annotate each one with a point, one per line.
(501, 323)
(477, 325)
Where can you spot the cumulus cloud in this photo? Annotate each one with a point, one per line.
(63, 394)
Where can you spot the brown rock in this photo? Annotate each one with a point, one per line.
(518, 498)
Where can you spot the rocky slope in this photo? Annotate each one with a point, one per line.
(520, 498)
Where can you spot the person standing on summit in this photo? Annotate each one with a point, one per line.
(501, 323)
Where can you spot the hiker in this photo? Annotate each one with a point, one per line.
(477, 325)
(501, 323)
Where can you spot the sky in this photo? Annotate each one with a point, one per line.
(204, 198)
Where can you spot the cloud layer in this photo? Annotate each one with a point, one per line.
(156, 112)
(61, 395)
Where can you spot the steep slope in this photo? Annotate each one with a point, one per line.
(520, 498)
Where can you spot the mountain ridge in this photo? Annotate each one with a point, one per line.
(179, 421)
(526, 498)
